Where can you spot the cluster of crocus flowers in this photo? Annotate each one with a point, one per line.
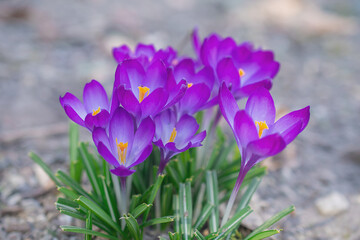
(156, 94)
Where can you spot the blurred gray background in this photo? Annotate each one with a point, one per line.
(50, 47)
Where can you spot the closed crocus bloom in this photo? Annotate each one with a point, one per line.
(125, 145)
(241, 67)
(257, 134)
(174, 136)
(94, 111)
(143, 92)
(146, 54)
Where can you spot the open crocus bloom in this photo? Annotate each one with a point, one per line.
(145, 54)
(239, 66)
(173, 137)
(94, 112)
(146, 93)
(257, 134)
(125, 146)
(200, 85)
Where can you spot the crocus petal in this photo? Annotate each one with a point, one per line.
(196, 41)
(135, 73)
(185, 69)
(205, 75)
(290, 125)
(107, 154)
(73, 115)
(173, 149)
(146, 50)
(95, 96)
(99, 120)
(74, 103)
(121, 53)
(156, 75)
(242, 52)
(99, 135)
(186, 129)
(194, 98)
(121, 129)
(228, 105)
(260, 106)
(228, 73)
(128, 100)
(267, 146)
(164, 124)
(244, 129)
(122, 171)
(176, 93)
(143, 137)
(121, 77)
(154, 103)
(143, 156)
(197, 139)
(225, 48)
(208, 50)
(249, 89)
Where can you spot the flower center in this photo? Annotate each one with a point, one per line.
(189, 85)
(173, 135)
(95, 112)
(122, 150)
(142, 92)
(241, 72)
(262, 125)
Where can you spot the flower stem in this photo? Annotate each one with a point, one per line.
(123, 206)
(232, 198)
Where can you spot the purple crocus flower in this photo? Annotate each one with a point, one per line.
(173, 137)
(240, 66)
(94, 112)
(125, 145)
(257, 134)
(200, 85)
(147, 92)
(146, 54)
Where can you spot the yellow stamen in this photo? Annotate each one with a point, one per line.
(189, 85)
(142, 92)
(96, 111)
(241, 72)
(262, 125)
(122, 150)
(173, 135)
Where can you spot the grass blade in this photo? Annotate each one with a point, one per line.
(245, 199)
(153, 193)
(198, 235)
(185, 209)
(160, 220)
(88, 225)
(90, 169)
(212, 196)
(133, 226)
(265, 234)
(45, 167)
(268, 223)
(204, 216)
(140, 209)
(99, 212)
(86, 231)
(75, 165)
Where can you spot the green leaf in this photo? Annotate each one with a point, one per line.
(153, 193)
(234, 222)
(199, 202)
(166, 199)
(212, 196)
(265, 234)
(68, 181)
(88, 225)
(268, 223)
(140, 209)
(160, 220)
(185, 209)
(45, 167)
(176, 208)
(198, 235)
(68, 193)
(204, 216)
(134, 202)
(133, 226)
(174, 236)
(75, 165)
(245, 199)
(90, 168)
(98, 211)
(86, 231)
(110, 203)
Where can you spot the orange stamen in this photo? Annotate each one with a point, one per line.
(173, 135)
(96, 111)
(142, 92)
(262, 125)
(122, 150)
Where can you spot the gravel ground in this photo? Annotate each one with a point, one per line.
(50, 47)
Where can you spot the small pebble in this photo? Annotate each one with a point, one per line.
(332, 204)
